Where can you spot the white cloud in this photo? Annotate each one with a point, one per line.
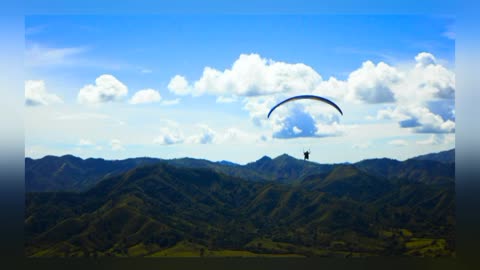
(170, 134)
(418, 94)
(333, 88)
(116, 145)
(179, 86)
(425, 59)
(373, 83)
(168, 138)
(398, 143)
(145, 96)
(331, 129)
(36, 94)
(419, 119)
(260, 83)
(427, 81)
(250, 75)
(432, 123)
(206, 136)
(106, 89)
(258, 108)
(203, 134)
(296, 130)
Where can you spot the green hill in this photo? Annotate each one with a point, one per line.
(174, 210)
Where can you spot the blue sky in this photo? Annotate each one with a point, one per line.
(256, 61)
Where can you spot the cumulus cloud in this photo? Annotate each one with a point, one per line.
(424, 98)
(116, 145)
(429, 122)
(250, 75)
(334, 88)
(419, 119)
(331, 129)
(206, 136)
(179, 86)
(258, 108)
(170, 134)
(373, 83)
(107, 88)
(36, 94)
(425, 59)
(411, 90)
(145, 96)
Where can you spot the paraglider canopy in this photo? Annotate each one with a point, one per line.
(306, 97)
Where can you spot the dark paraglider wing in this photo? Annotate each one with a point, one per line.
(306, 97)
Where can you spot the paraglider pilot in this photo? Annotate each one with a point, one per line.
(306, 154)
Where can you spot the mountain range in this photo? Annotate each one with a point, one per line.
(70, 173)
(270, 207)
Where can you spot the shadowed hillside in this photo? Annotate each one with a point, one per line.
(188, 207)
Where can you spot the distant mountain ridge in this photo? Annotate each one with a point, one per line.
(70, 173)
(444, 156)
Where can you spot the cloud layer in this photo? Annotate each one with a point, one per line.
(409, 91)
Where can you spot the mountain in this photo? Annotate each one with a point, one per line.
(228, 163)
(417, 170)
(348, 180)
(286, 169)
(70, 173)
(444, 157)
(172, 209)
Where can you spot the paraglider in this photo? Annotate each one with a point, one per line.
(306, 97)
(306, 154)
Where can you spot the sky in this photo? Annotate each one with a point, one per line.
(201, 86)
